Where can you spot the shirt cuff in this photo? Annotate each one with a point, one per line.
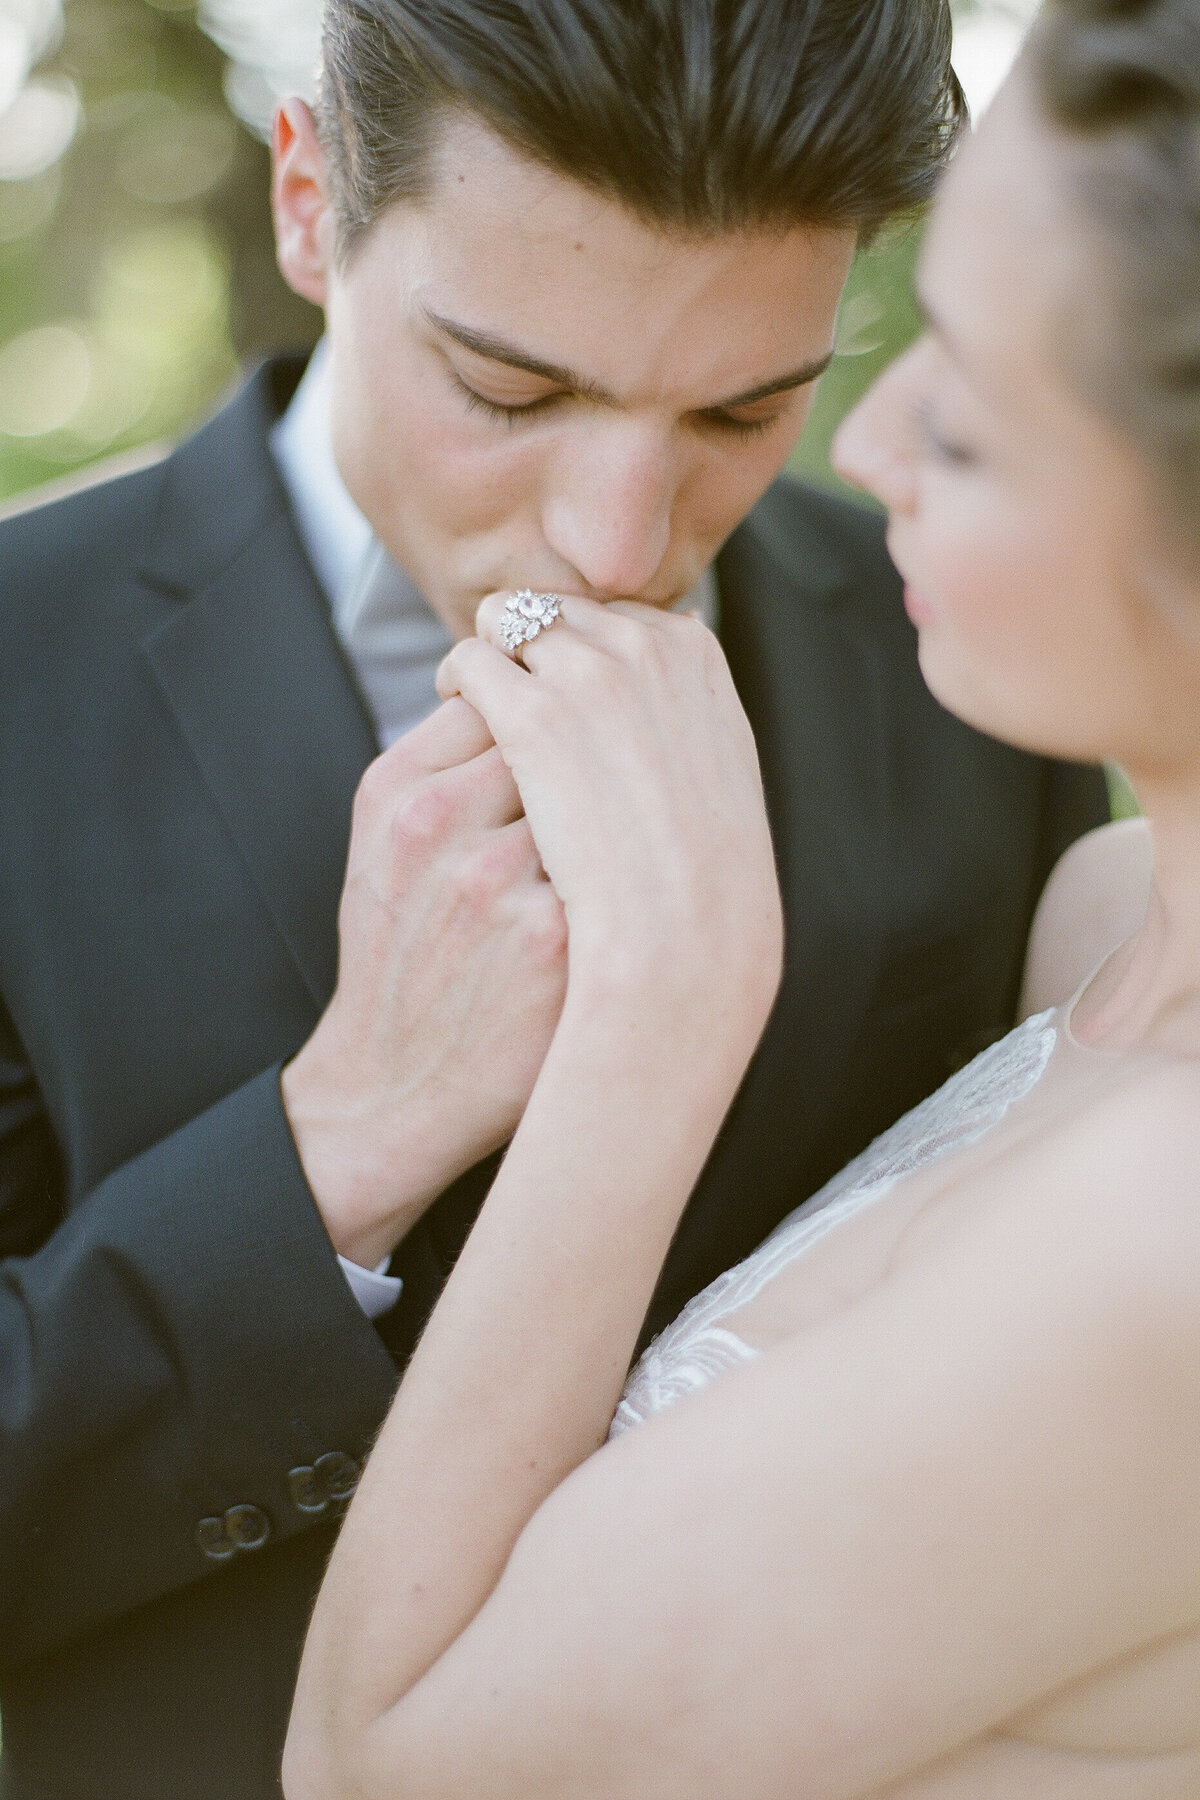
(375, 1291)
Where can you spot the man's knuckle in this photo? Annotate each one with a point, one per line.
(482, 874)
(422, 819)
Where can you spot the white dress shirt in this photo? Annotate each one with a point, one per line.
(393, 641)
(339, 543)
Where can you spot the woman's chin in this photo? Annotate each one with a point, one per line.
(985, 705)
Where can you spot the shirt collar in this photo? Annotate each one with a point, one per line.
(332, 530)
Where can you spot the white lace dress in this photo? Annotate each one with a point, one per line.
(697, 1347)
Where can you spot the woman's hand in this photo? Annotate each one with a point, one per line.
(639, 779)
(639, 776)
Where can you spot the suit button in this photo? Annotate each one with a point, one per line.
(213, 1539)
(339, 1474)
(307, 1490)
(248, 1527)
(332, 1479)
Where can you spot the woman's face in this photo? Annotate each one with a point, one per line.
(1022, 523)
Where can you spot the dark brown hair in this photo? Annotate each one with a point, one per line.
(700, 115)
(1121, 80)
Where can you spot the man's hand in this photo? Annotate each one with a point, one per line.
(451, 975)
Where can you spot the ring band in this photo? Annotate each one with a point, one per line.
(526, 615)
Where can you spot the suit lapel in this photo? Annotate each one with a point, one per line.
(814, 691)
(255, 679)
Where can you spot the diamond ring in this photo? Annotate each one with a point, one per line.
(526, 615)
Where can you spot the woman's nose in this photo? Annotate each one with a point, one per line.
(609, 515)
(873, 446)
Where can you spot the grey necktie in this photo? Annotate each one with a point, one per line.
(394, 642)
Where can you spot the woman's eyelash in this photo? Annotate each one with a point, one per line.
(946, 449)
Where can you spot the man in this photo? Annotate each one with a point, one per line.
(580, 261)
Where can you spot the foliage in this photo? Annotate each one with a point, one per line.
(136, 269)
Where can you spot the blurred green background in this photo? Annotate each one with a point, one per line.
(137, 273)
(136, 267)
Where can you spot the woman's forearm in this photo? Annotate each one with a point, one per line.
(520, 1369)
(640, 782)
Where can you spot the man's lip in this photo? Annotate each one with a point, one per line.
(916, 606)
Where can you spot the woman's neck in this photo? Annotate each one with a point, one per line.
(1147, 996)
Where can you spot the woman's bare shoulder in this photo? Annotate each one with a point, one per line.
(1095, 898)
(1142, 1150)
(1103, 1202)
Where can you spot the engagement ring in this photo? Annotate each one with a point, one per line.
(526, 615)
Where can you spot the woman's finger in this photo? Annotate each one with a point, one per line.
(488, 680)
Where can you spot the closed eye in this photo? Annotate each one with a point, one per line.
(729, 422)
(511, 412)
(945, 449)
(497, 409)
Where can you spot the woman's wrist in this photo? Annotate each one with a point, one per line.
(672, 976)
(668, 1048)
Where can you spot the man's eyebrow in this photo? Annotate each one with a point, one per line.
(783, 385)
(497, 349)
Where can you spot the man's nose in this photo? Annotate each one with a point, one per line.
(608, 514)
(873, 446)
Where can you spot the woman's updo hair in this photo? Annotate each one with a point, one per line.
(1121, 78)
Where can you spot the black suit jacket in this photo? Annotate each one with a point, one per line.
(183, 1371)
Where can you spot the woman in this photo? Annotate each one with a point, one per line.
(926, 1522)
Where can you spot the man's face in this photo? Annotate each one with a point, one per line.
(533, 388)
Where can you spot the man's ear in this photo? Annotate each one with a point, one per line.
(305, 225)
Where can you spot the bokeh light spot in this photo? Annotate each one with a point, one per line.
(861, 326)
(170, 277)
(45, 375)
(28, 29)
(173, 155)
(38, 128)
